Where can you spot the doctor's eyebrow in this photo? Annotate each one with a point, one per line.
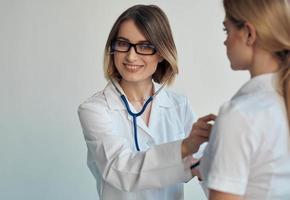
(127, 40)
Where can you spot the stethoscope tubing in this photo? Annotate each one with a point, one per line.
(195, 165)
(135, 115)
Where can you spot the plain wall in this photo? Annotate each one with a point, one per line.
(51, 54)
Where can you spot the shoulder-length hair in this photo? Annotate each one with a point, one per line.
(153, 23)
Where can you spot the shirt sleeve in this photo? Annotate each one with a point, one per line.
(226, 162)
(110, 155)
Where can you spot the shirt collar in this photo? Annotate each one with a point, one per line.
(264, 82)
(114, 101)
(162, 99)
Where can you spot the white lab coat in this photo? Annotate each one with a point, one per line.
(157, 171)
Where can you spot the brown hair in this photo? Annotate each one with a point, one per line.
(271, 18)
(153, 23)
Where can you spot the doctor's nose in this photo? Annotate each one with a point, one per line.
(131, 54)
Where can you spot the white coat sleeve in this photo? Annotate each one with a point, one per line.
(110, 155)
(189, 118)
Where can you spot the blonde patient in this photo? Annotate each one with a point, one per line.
(248, 156)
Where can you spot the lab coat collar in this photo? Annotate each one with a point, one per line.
(115, 102)
(162, 98)
(264, 82)
(113, 97)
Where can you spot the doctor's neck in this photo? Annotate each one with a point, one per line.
(137, 91)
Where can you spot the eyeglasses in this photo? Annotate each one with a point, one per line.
(140, 48)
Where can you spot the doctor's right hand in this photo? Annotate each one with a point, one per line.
(199, 134)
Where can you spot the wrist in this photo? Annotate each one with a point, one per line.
(188, 147)
(184, 148)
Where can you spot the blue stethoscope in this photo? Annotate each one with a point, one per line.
(135, 115)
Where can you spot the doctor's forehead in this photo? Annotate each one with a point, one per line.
(130, 31)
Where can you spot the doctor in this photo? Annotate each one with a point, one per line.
(145, 156)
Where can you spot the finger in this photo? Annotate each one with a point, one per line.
(202, 125)
(196, 172)
(207, 118)
(201, 133)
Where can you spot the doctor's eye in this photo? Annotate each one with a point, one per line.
(121, 43)
(145, 47)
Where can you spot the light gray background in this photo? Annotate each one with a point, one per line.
(51, 54)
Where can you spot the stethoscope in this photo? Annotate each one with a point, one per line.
(135, 115)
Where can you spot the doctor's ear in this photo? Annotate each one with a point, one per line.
(251, 34)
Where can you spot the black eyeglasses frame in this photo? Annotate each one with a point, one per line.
(113, 48)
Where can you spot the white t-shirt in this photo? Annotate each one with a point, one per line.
(249, 150)
(157, 171)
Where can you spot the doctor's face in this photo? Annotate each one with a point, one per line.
(134, 66)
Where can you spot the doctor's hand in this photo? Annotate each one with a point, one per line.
(195, 172)
(199, 134)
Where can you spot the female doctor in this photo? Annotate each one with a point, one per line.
(135, 128)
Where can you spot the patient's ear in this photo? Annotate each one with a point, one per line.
(250, 33)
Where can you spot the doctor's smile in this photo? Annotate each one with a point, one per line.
(132, 67)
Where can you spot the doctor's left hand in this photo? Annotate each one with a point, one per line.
(199, 134)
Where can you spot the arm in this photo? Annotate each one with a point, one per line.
(110, 155)
(216, 195)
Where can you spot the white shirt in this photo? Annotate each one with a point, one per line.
(157, 171)
(249, 150)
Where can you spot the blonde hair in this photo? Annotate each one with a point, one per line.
(271, 18)
(153, 23)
